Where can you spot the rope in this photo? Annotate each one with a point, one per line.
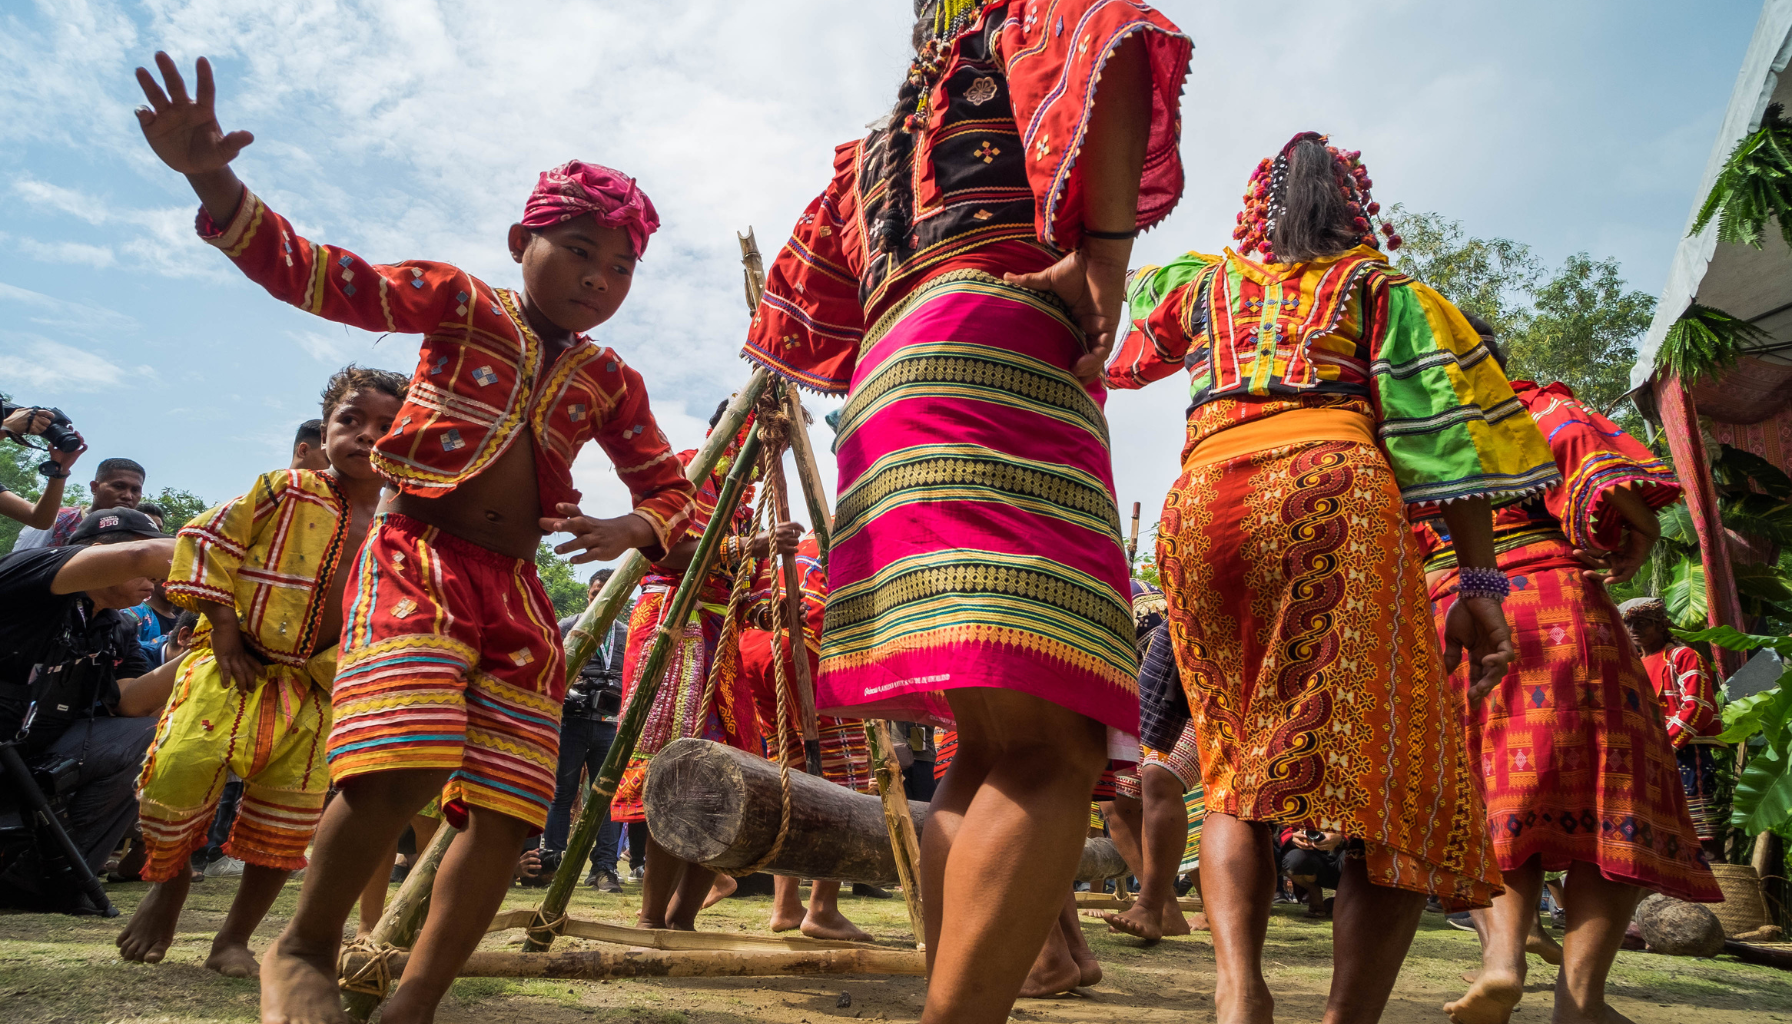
(374, 977)
(543, 931)
(773, 429)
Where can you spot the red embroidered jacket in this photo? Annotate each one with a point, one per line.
(1688, 698)
(994, 178)
(481, 379)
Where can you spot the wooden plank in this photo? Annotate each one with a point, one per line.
(598, 965)
(666, 938)
(905, 845)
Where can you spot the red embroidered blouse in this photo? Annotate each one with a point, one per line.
(481, 377)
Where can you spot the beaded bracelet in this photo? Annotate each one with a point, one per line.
(1476, 582)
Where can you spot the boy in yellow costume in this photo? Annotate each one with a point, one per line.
(265, 572)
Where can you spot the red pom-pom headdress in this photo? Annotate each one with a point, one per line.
(1264, 198)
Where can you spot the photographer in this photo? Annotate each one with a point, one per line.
(66, 650)
(117, 483)
(1313, 860)
(22, 423)
(587, 728)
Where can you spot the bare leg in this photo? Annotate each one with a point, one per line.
(298, 973)
(1164, 833)
(230, 949)
(1054, 971)
(663, 874)
(1007, 825)
(1238, 874)
(150, 931)
(1126, 827)
(1504, 929)
(787, 903)
(470, 887)
(1598, 909)
(1077, 944)
(1372, 928)
(824, 920)
(373, 894)
(691, 896)
(720, 888)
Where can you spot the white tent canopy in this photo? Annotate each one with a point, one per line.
(1748, 283)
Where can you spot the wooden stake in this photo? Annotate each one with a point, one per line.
(404, 916)
(808, 474)
(904, 843)
(793, 610)
(1132, 542)
(634, 717)
(597, 965)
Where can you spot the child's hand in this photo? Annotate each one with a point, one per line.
(601, 540)
(236, 664)
(184, 131)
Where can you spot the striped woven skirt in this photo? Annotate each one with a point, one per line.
(977, 542)
(1313, 669)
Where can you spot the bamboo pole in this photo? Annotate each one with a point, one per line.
(597, 965)
(793, 607)
(634, 717)
(404, 916)
(903, 842)
(808, 474)
(1132, 542)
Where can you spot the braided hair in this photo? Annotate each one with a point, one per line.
(937, 22)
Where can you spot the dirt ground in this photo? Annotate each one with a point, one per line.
(65, 970)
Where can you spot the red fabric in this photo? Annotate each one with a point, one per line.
(1680, 420)
(1687, 696)
(809, 326)
(1771, 438)
(700, 511)
(482, 381)
(1594, 455)
(577, 189)
(1572, 758)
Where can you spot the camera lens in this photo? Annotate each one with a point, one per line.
(61, 438)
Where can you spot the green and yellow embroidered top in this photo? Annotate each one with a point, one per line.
(1344, 331)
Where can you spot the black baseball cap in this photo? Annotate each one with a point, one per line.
(114, 524)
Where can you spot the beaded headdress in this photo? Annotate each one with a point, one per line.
(1266, 195)
(950, 17)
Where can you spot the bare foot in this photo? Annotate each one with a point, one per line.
(1138, 921)
(233, 960)
(833, 926)
(1251, 1003)
(1172, 919)
(1565, 1013)
(719, 890)
(1543, 944)
(1198, 923)
(1086, 965)
(146, 937)
(784, 920)
(299, 987)
(1054, 972)
(1489, 1000)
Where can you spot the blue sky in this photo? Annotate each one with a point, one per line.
(414, 129)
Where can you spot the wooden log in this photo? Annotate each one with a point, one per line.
(599, 965)
(404, 916)
(717, 806)
(1781, 958)
(667, 938)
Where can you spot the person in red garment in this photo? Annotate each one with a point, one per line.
(451, 676)
(1683, 684)
(1569, 749)
(961, 279)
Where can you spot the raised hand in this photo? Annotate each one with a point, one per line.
(184, 130)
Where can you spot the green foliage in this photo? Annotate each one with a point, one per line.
(181, 507)
(1704, 341)
(1755, 185)
(557, 578)
(1685, 594)
(1144, 567)
(1763, 796)
(1581, 331)
(1489, 277)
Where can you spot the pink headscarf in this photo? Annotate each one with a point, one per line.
(577, 188)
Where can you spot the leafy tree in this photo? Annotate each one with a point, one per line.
(1489, 277)
(180, 505)
(557, 578)
(1582, 331)
(18, 471)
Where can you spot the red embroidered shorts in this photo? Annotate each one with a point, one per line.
(450, 658)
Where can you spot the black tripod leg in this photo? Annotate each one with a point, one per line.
(12, 764)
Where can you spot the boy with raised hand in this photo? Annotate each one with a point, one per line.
(266, 572)
(451, 675)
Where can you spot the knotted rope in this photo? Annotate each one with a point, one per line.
(373, 977)
(543, 931)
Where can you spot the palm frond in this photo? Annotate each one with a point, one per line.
(1703, 342)
(1755, 185)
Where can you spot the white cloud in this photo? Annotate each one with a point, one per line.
(79, 317)
(66, 252)
(31, 364)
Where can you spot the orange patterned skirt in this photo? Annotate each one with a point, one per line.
(1312, 667)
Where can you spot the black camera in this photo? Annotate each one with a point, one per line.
(60, 434)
